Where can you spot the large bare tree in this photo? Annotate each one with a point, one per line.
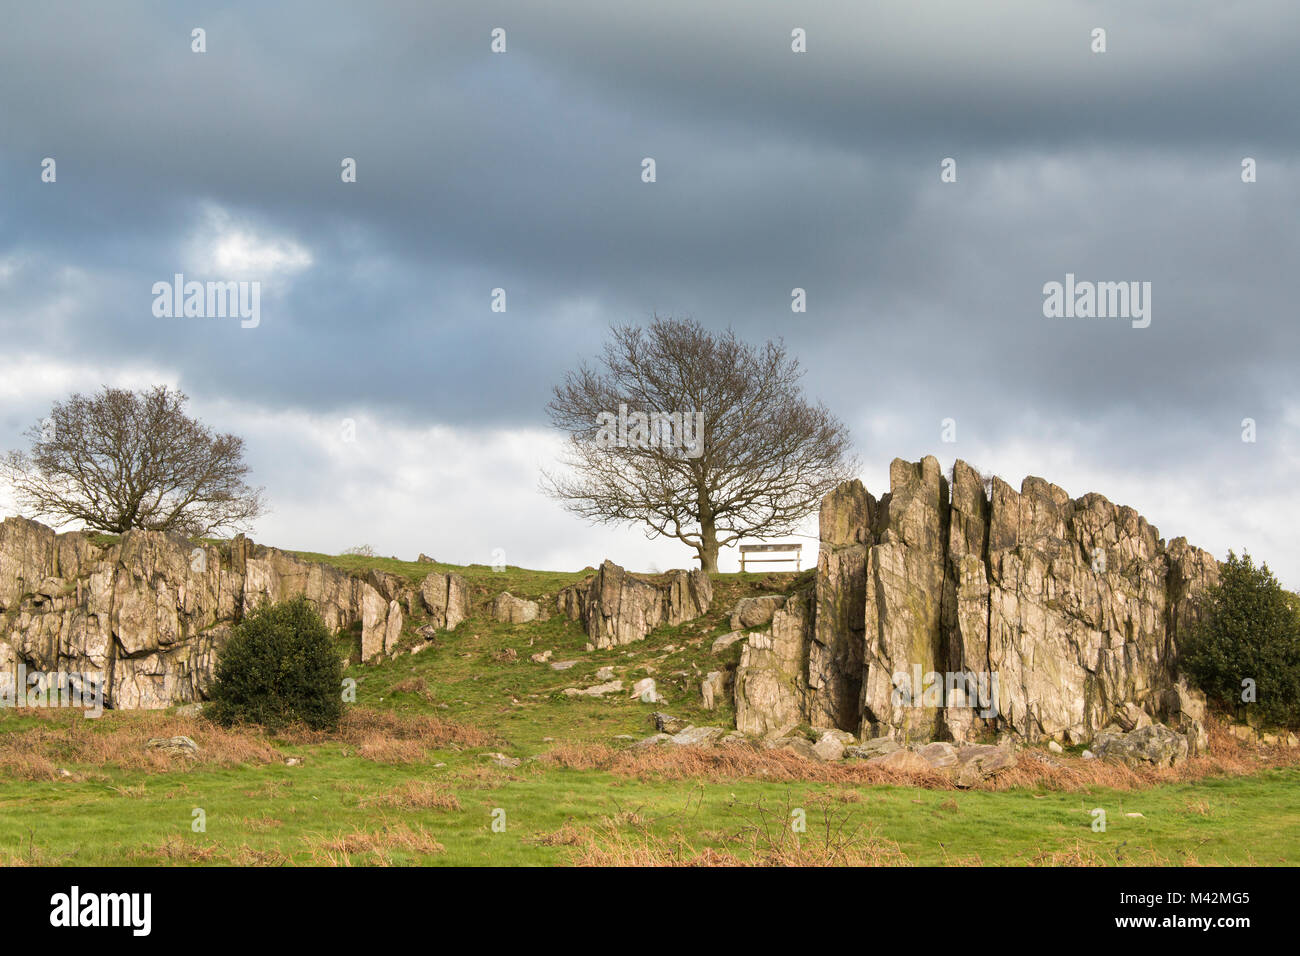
(696, 435)
(120, 459)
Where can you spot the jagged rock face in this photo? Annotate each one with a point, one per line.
(151, 611)
(617, 608)
(771, 682)
(1064, 613)
(904, 594)
(689, 595)
(446, 598)
(835, 656)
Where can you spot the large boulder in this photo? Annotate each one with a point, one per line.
(509, 609)
(618, 608)
(1185, 713)
(978, 762)
(755, 611)
(875, 747)
(1154, 744)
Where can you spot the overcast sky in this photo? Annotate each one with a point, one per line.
(522, 170)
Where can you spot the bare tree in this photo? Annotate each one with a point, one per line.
(700, 437)
(120, 460)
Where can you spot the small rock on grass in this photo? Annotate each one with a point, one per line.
(645, 689)
(666, 723)
(176, 746)
(875, 747)
(829, 747)
(726, 640)
(600, 690)
(904, 760)
(697, 736)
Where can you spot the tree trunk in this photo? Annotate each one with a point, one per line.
(708, 546)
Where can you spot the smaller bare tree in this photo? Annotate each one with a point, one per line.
(120, 460)
(721, 443)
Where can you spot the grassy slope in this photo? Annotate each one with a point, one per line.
(331, 807)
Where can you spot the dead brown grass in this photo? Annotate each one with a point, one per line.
(731, 762)
(63, 739)
(245, 855)
(364, 724)
(1126, 854)
(379, 749)
(1227, 757)
(766, 839)
(567, 835)
(414, 795)
(411, 685)
(176, 849)
(261, 824)
(375, 847)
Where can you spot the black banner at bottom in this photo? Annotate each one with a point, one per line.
(219, 905)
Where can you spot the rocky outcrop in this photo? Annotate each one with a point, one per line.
(617, 608)
(835, 654)
(771, 682)
(446, 599)
(508, 609)
(958, 610)
(713, 688)
(150, 611)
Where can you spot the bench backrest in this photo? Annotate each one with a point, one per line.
(796, 550)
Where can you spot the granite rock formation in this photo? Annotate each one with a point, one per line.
(149, 611)
(959, 610)
(617, 608)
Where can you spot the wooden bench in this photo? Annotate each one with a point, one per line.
(745, 549)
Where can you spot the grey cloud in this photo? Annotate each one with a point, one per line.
(775, 171)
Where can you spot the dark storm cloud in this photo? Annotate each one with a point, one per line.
(775, 170)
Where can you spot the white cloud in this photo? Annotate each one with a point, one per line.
(461, 493)
(228, 247)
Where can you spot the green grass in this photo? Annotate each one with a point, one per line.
(276, 813)
(266, 812)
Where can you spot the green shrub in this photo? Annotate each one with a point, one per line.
(279, 667)
(1251, 631)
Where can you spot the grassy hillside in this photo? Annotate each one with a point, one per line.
(469, 733)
